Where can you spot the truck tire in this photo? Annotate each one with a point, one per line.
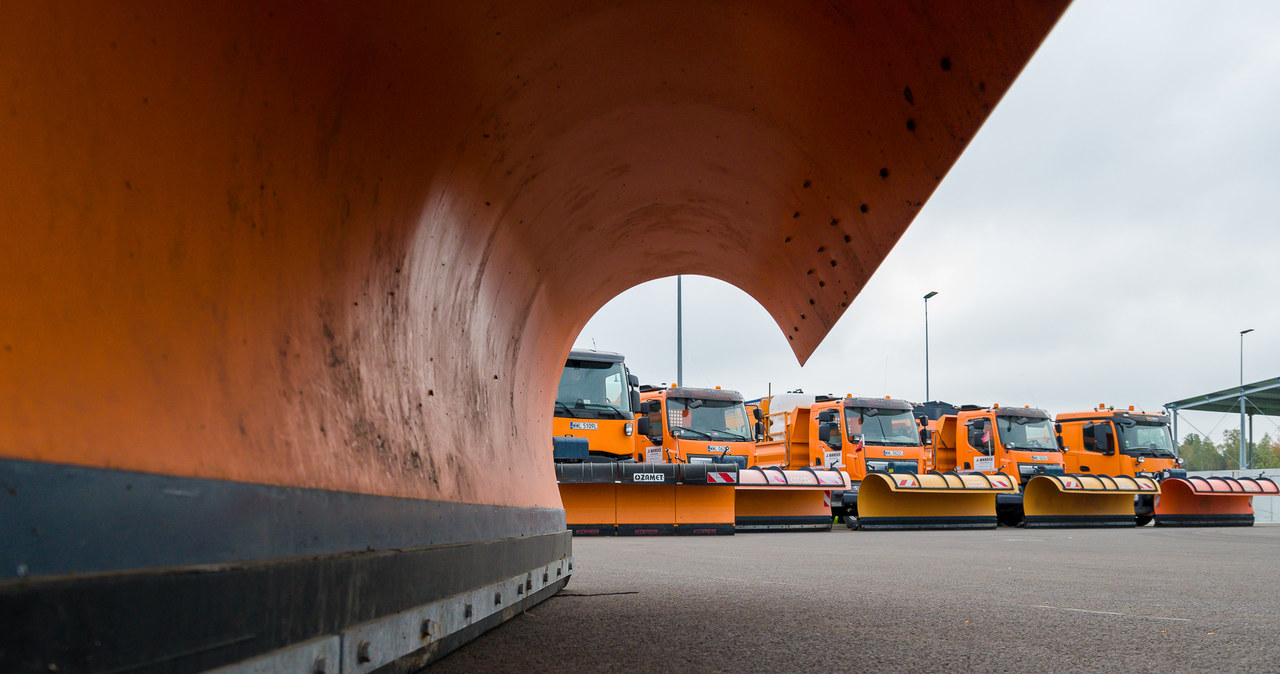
(1009, 516)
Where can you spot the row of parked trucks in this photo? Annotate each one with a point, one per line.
(634, 459)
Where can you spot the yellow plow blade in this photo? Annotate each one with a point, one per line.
(1079, 500)
(773, 499)
(1210, 501)
(931, 500)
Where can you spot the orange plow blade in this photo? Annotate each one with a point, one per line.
(1210, 501)
(773, 499)
(647, 499)
(590, 495)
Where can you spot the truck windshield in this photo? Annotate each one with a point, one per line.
(1018, 432)
(699, 418)
(880, 426)
(1146, 440)
(593, 390)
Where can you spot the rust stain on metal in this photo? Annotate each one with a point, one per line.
(348, 246)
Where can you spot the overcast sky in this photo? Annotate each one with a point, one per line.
(1104, 238)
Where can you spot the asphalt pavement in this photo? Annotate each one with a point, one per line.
(1151, 600)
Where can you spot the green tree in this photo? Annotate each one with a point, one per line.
(1266, 454)
(1201, 454)
(1230, 448)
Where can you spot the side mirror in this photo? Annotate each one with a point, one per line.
(633, 380)
(826, 415)
(925, 436)
(1102, 440)
(1061, 447)
(757, 413)
(759, 430)
(824, 433)
(1057, 427)
(642, 425)
(635, 399)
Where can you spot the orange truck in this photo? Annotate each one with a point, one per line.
(714, 426)
(606, 486)
(878, 442)
(1023, 442)
(595, 407)
(696, 425)
(1135, 443)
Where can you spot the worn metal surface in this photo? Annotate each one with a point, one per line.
(348, 246)
(70, 519)
(190, 619)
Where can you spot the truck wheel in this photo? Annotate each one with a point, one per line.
(851, 517)
(1142, 520)
(1009, 517)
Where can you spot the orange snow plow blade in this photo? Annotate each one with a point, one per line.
(931, 500)
(590, 495)
(705, 499)
(773, 499)
(1210, 501)
(647, 499)
(1083, 500)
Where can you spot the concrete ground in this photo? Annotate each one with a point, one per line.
(1160, 600)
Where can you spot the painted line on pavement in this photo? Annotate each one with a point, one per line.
(1126, 615)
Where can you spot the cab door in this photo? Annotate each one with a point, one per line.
(1098, 449)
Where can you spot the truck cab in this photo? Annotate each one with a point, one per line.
(864, 435)
(1019, 441)
(696, 425)
(1119, 442)
(595, 407)
(1016, 441)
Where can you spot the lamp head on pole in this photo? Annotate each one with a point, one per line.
(1245, 332)
(931, 294)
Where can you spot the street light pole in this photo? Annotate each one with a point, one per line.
(926, 343)
(1244, 461)
(680, 330)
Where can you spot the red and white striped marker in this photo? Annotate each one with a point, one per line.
(721, 478)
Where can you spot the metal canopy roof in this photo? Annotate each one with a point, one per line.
(1263, 397)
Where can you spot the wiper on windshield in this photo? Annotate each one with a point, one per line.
(604, 406)
(728, 435)
(690, 430)
(1153, 451)
(561, 406)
